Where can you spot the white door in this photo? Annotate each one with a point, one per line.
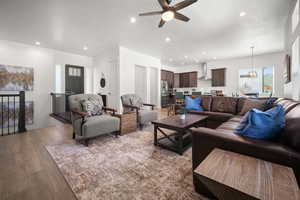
(141, 82)
(153, 86)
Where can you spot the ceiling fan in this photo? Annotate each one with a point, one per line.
(170, 12)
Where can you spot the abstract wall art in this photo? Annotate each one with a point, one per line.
(13, 78)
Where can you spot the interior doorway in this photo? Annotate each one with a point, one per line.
(74, 81)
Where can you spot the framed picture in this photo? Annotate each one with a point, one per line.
(287, 70)
(13, 78)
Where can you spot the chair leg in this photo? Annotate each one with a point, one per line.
(86, 142)
(141, 127)
(73, 135)
(117, 133)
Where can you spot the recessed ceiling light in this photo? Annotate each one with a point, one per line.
(242, 14)
(170, 59)
(204, 53)
(168, 39)
(185, 57)
(37, 43)
(85, 48)
(215, 58)
(132, 19)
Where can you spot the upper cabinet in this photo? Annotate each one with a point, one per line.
(218, 77)
(168, 76)
(176, 80)
(193, 79)
(180, 80)
(187, 80)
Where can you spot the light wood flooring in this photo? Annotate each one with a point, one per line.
(27, 171)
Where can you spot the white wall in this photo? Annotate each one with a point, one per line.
(43, 61)
(232, 72)
(107, 64)
(291, 36)
(128, 60)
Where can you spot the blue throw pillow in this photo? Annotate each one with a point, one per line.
(257, 124)
(193, 104)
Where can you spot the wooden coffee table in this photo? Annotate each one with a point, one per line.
(180, 140)
(229, 175)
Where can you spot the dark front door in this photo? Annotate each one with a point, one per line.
(74, 81)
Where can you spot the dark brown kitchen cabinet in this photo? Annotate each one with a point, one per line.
(184, 80)
(168, 76)
(218, 77)
(176, 80)
(188, 79)
(193, 79)
(163, 75)
(170, 79)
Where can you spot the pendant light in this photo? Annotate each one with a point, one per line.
(252, 73)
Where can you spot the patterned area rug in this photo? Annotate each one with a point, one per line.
(129, 167)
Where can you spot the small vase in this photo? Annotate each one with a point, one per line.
(182, 117)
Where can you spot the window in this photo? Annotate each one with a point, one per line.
(262, 84)
(267, 80)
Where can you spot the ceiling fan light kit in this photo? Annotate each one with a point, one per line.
(170, 12)
(168, 15)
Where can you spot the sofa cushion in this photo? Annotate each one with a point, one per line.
(288, 104)
(251, 104)
(291, 133)
(206, 102)
(215, 116)
(224, 104)
(263, 149)
(236, 118)
(229, 125)
(240, 104)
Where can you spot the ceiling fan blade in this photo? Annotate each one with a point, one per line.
(151, 13)
(181, 17)
(184, 4)
(161, 23)
(164, 4)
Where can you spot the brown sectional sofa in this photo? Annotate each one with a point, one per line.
(219, 133)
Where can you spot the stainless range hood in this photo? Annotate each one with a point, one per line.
(204, 72)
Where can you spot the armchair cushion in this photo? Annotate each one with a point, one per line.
(97, 125)
(91, 107)
(136, 101)
(75, 100)
(146, 116)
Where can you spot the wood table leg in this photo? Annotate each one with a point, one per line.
(155, 135)
(180, 143)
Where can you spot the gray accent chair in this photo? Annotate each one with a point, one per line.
(133, 103)
(86, 127)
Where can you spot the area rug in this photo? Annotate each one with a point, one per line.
(129, 168)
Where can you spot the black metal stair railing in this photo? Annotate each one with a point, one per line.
(12, 113)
